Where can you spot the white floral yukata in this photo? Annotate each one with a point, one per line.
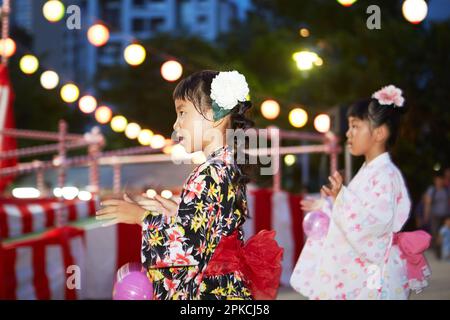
(356, 259)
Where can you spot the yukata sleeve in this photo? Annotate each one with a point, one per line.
(189, 238)
(367, 221)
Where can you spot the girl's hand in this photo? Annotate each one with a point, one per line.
(158, 204)
(120, 211)
(335, 186)
(308, 205)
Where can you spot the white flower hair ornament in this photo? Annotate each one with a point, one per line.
(227, 90)
(389, 95)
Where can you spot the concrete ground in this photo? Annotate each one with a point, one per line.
(438, 289)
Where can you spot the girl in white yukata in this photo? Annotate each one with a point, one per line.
(363, 255)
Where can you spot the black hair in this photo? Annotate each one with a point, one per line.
(197, 89)
(439, 174)
(378, 115)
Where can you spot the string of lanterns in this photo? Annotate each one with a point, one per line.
(414, 11)
(171, 70)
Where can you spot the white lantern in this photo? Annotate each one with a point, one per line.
(49, 80)
(171, 70)
(322, 123)
(415, 10)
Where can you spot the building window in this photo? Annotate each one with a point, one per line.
(138, 25)
(202, 19)
(139, 3)
(157, 24)
(110, 13)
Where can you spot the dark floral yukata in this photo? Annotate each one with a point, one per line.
(176, 250)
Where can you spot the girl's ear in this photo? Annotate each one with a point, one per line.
(381, 133)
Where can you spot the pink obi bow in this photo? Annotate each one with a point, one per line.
(412, 246)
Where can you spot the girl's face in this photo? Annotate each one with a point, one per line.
(360, 137)
(193, 131)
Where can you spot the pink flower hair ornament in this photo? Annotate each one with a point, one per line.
(389, 95)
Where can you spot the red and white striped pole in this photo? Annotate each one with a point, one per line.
(117, 171)
(5, 29)
(60, 221)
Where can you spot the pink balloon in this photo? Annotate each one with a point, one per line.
(315, 225)
(132, 283)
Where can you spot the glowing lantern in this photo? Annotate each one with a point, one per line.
(119, 123)
(98, 35)
(7, 47)
(298, 117)
(166, 194)
(171, 70)
(346, 3)
(132, 130)
(322, 123)
(53, 10)
(134, 54)
(103, 114)
(29, 64)
(270, 109)
(151, 193)
(145, 137)
(305, 59)
(70, 93)
(87, 104)
(289, 159)
(415, 10)
(49, 80)
(158, 142)
(304, 32)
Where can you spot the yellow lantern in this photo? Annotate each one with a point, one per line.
(98, 35)
(304, 32)
(270, 109)
(171, 70)
(7, 47)
(158, 142)
(70, 93)
(322, 123)
(289, 159)
(415, 10)
(298, 117)
(119, 123)
(49, 80)
(134, 54)
(145, 137)
(103, 114)
(132, 130)
(53, 10)
(346, 3)
(87, 104)
(29, 64)
(305, 59)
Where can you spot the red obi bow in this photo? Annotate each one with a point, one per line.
(259, 260)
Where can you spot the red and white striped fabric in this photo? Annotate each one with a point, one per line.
(39, 268)
(35, 269)
(6, 122)
(279, 211)
(22, 216)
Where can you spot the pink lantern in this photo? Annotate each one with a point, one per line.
(132, 283)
